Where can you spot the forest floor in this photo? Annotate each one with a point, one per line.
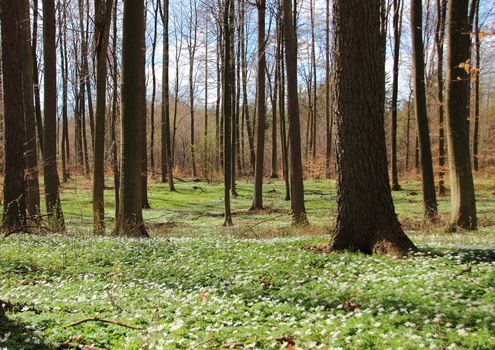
(198, 285)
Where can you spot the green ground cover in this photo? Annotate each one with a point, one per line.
(197, 285)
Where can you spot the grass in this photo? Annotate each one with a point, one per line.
(197, 285)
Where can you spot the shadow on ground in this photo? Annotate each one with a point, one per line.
(15, 336)
(465, 255)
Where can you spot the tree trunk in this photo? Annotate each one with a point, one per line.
(283, 132)
(37, 102)
(476, 80)
(14, 186)
(366, 219)
(115, 107)
(461, 177)
(103, 13)
(439, 40)
(52, 196)
(192, 46)
(234, 115)
(397, 24)
(227, 110)
(166, 149)
(206, 155)
(274, 98)
(153, 94)
(428, 181)
(143, 111)
(296, 172)
(31, 152)
(261, 110)
(328, 121)
(314, 76)
(130, 220)
(64, 143)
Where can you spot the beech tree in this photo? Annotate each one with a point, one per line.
(228, 19)
(260, 110)
(439, 43)
(130, 219)
(461, 176)
(428, 182)
(52, 194)
(366, 218)
(14, 186)
(166, 150)
(103, 12)
(31, 149)
(397, 29)
(296, 172)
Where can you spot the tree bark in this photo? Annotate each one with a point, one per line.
(296, 172)
(476, 80)
(283, 132)
(144, 116)
(52, 196)
(153, 93)
(14, 186)
(461, 177)
(366, 218)
(130, 220)
(397, 24)
(328, 121)
(261, 110)
(115, 107)
(192, 46)
(64, 143)
(428, 181)
(274, 98)
(439, 43)
(37, 102)
(31, 155)
(166, 148)
(103, 13)
(226, 108)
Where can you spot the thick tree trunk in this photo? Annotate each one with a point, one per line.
(296, 171)
(261, 110)
(428, 181)
(130, 220)
(461, 177)
(103, 12)
(366, 219)
(31, 151)
(14, 186)
(52, 195)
